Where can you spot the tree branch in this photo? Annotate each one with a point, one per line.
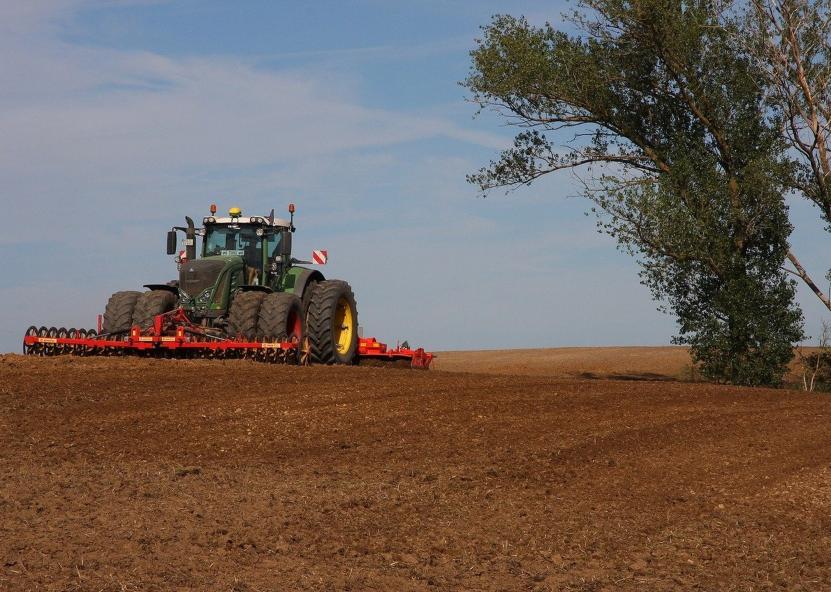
(800, 271)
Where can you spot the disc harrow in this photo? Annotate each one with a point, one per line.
(173, 335)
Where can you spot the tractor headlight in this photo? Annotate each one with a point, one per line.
(208, 220)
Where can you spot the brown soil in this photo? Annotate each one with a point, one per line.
(130, 474)
(576, 362)
(619, 363)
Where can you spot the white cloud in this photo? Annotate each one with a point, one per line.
(93, 122)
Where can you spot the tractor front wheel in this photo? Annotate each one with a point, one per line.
(281, 318)
(245, 311)
(118, 315)
(150, 304)
(332, 323)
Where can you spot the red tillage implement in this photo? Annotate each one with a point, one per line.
(173, 335)
(371, 348)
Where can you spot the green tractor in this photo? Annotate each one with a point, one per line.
(246, 286)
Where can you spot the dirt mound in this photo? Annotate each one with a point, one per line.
(131, 474)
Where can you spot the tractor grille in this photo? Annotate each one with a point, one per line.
(198, 275)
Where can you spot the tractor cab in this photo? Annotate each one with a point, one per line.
(238, 253)
(259, 242)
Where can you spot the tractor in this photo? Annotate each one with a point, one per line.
(245, 286)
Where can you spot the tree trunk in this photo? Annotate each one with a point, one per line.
(800, 271)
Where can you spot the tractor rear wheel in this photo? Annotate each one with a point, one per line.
(281, 318)
(118, 315)
(245, 311)
(307, 297)
(332, 323)
(150, 304)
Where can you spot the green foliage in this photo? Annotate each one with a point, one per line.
(665, 103)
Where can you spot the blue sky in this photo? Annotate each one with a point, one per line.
(118, 119)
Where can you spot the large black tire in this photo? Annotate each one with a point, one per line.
(307, 297)
(332, 323)
(245, 311)
(118, 315)
(150, 304)
(281, 318)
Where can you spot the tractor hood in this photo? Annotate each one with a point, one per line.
(197, 276)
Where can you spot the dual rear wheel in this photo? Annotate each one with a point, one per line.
(329, 322)
(325, 322)
(332, 321)
(150, 304)
(127, 309)
(272, 317)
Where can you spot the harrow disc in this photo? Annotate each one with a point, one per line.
(90, 350)
(30, 350)
(51, 349)
(62, 349)
(80, 350)
(40, 349)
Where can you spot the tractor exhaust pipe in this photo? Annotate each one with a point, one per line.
(190, 240)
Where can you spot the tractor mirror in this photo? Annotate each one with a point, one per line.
(285, 244)
(171, 242)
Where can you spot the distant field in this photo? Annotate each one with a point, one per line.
(617, 363)
(583, 362)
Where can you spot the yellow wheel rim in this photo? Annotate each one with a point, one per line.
(344, 325)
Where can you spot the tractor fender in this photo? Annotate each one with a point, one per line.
(304, 278)
(172, 289)
(252, 288)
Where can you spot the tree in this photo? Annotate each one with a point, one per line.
(664, 101)
(790, 41)
(816, 365)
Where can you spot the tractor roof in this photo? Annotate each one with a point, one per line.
(256, 220)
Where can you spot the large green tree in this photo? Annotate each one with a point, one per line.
(688, 168)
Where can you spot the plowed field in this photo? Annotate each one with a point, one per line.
(131, 474)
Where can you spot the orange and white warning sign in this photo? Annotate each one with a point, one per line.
(320, 257)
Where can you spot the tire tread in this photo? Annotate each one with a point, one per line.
(118, 314)
(150, 304)
(320, 322)
(274, 314)
(244, 314)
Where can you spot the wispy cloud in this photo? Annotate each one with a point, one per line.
(103, 149)
(396, 53)
(88, 120)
